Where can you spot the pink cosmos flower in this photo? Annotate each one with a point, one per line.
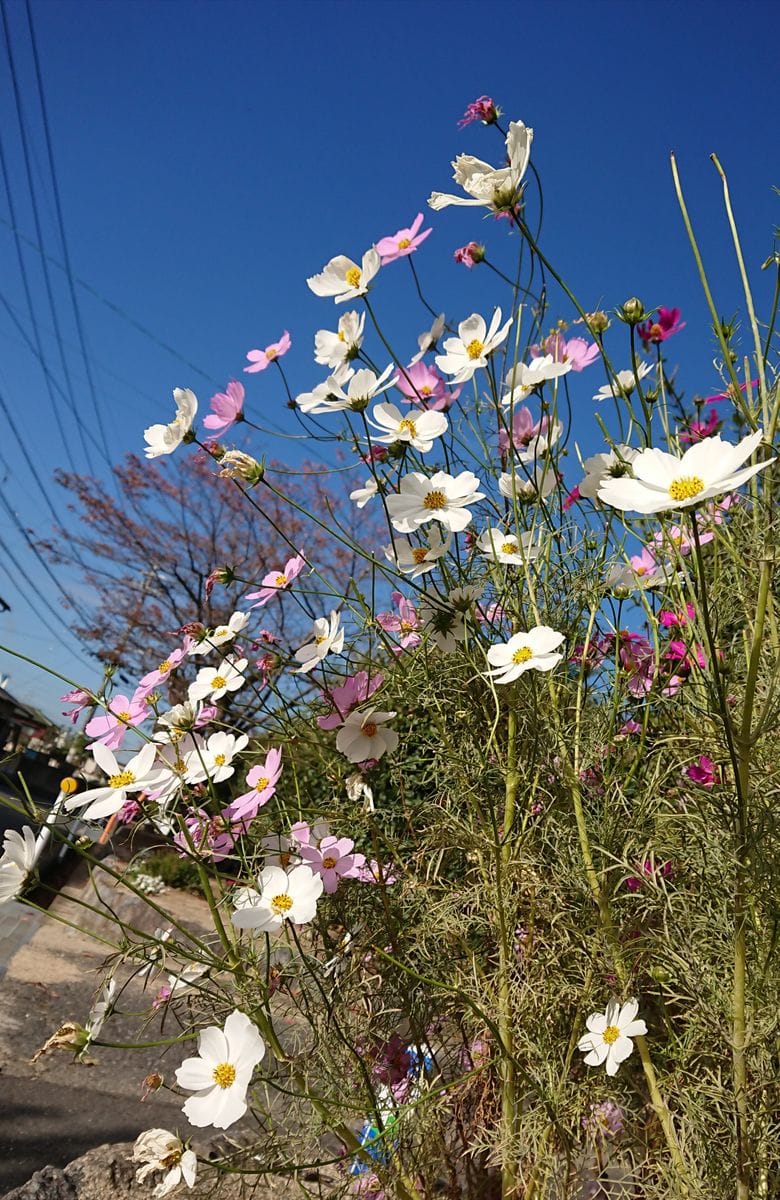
(524, 430)
(670, 619)
(649, 871)
(571, 499)
(605, 1120)
(205, 716)
(351, 694)
(109, 728)
(261, 781)
(629, 727)
(492, 615)
(701, 429)
(406, 622)
(403, 243)
(666, 324)
(470, 255)
(375, 454)
(421, 384)
(260, 359)
(226, 408)
(78, 697)
(482, 109)
(681, 538)
(576, 350)
(704, 772)
(277, 581)
(373, 873)
(729, 395)
(211, 837)
(161, 672)
(635, 657)
(265, 664)
(333, 860)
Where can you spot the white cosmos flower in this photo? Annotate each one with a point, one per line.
(535, 482)
(282, 896)
(445, 622)
(326, 396)
(160, 1150)
(363, 387)
(361, 496)
(16, 862)
(608, 1040)
(215, 682)
(470, 349)
(326, 637)
(418, 430)
(101, 1009)
(441, 498)
(135, 776)
(333, 349)
(172, 763)
(214, 761)
(428, 339)
(524, 378)
(417, 560)
(343, 279)
(220, 636)
(221, 1073)
(494, 188)
(626, 382)
(535, 650)
(508, 547)
(164, 439)
(362, 735)
(662, 481)
(611, 465)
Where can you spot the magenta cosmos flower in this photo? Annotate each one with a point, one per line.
(333, 860)
(403, 243)
(703, 771)
(665, 325)
(226, 408)
(470, 255)
(261, 781)
(482, 109)
(729, 395)
(421, 384)
(260, 359)
(277, 581)
(697, 430)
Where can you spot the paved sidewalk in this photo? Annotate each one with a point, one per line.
(55, 1109)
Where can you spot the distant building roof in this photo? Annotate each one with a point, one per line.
(22, 714)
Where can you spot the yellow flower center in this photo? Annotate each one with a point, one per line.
(475, 348)
(419, 553)
(435, 499)
(122, 779)
(686, 487)
(509, 547)
(426, 390)
(281, 904)
(319, 640)
(270, 354)
(280, 580)
(406, 627)
(353, 276)
(409, 426)
(221, 631)
(611, 1034)
(219, 760)
(329, 862)
(341, 336)
(218, 681)
(522, 655)
(369, 729)
(261, 784)
(124, 717)
(224, 1075)
(404, 243)
(165, 666)
(656, 332)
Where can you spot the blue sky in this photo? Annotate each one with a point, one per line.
(211, 155)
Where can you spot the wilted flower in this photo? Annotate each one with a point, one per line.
(496, 188)
(470, 255)
(482, 109)
(160, 1150)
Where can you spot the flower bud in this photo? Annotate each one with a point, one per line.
(597, 322)
(632, 312)
(237, 465)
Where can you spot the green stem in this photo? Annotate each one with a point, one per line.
(506, 948)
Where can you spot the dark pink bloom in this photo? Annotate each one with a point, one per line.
(110, 727)
(78, 697)
(649, 871)
(206, 715)
(729, 395)
(470, 255)
(421, 384)
(277, 581)
(635, 657)
(704, 772)
(670, 619)
(402, 243)
(576, 350)
(701, 429)
(482, 109)
(524, 430)
(260, 359)
(226, 408)
(405, 621)
(666, 324)
(262, 781)
(572, 498)
(375, 454)
(354, 691)
(333, 860)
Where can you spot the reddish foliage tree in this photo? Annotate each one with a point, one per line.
(146, 560)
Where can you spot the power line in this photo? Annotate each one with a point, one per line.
(28, 599)
(39, 235)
